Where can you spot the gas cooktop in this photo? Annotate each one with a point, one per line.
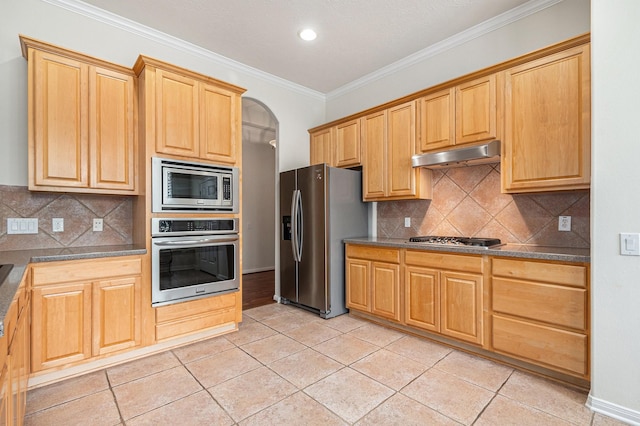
(458, 241)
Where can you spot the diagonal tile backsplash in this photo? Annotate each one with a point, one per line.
(78, 212)
(467, 202)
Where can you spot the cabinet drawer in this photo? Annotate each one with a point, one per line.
(564, 306)
(193, 324)
(444, 261)
(378, 254)
(546, 346)
(195, 308)
(573, 275)
(85, 270)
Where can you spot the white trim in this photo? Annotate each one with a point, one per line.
(149, 33)
(615, 411)
(263, 269)
(474, 32)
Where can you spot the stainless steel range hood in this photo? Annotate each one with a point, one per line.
(459, 157)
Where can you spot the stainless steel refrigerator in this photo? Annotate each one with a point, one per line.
(319, 207)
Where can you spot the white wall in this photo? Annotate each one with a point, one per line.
(551, 25)
(615, 208)
(297, 109)
(258, 206)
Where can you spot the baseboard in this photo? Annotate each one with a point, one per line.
(616, 411)
(254, 270)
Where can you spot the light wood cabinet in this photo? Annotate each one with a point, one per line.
(185, 318)
(540, 313)
(444, 294)
(321, 147)
(547, 123)
(464, 114)
(388, 140)
(82, 111)
(338, 146)
(373, 280)
(196, 116)
(84, 309)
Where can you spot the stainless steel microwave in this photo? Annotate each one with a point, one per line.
(183, 186)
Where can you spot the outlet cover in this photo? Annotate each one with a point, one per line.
(407, 222)
(57, 224)
(97, 225)
(564, 223)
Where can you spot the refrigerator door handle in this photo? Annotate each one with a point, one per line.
(300, 224)
(294, 224)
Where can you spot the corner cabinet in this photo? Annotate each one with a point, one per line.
(389, 141)
(82, 110)
(84, 309)
(321, 147)
(547, 123)
(373, 280)
(338, 146)
(188, 114)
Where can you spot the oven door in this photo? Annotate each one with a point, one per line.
(193, 267)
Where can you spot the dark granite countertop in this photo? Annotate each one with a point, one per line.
(21, 258)
(522, 251)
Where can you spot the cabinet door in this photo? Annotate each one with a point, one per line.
(422, 298)
(401, 142)
(476, 113)
(5, 396)
(112, 130)
(461, 306)
(547, 123)
(385, 290)
(348, 144)
(218, 124)
(176, 114)
(320, 147)
(357, 281)
(61, 325)
(437, 125)
(116, 315)
(59, 137)
(374, 162)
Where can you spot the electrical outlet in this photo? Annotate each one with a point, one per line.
(97, 225)
(57, 224)
(407, 222)
(564, 223)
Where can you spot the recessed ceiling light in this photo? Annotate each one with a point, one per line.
(307, 34)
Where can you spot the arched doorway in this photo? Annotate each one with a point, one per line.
(259, 154)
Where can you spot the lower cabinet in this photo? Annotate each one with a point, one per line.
(443, 294)
(540, 313)
(81, 311)
(373, 280)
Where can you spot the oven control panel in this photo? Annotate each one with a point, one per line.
(162, 227)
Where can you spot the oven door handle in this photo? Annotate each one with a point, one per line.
(195, 242)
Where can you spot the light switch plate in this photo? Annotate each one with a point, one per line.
(22, 225)
(630, 244)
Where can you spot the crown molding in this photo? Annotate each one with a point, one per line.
(472, 33)
(149, 33)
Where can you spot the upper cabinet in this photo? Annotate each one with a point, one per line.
(188, 114)
(82, 135)
(388, 139)
(464, 114)
(547, 123)
(338, 146)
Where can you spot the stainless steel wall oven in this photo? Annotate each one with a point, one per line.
(193, 258)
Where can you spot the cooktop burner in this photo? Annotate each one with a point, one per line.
(457, 241)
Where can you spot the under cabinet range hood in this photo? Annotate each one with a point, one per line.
(459, 157)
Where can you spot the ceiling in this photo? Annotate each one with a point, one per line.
(355, 37)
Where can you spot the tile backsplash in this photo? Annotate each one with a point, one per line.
(467, 202)
(78, 212)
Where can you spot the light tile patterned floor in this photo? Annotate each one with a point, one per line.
(287, 366)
